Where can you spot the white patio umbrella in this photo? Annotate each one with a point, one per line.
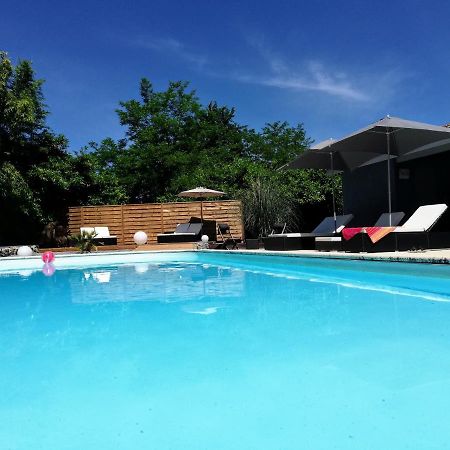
(201, 193)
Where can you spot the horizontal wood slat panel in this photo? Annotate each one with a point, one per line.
(153, 218)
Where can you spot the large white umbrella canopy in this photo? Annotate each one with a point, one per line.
(201, 193)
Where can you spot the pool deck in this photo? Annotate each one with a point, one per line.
(128, 247)
(441, 256)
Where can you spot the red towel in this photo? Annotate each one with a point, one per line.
(348, 233)
(376, 233)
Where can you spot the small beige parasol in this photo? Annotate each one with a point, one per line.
(201, 193)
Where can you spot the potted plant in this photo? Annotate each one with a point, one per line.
(85, 241)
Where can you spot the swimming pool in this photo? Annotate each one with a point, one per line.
(203, 350)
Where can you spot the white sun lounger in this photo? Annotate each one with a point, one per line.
(423, 219)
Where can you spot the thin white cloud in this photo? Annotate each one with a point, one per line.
(312, 76)
(172, 46)
(308, 76)
(277, 65)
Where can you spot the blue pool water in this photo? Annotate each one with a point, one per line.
(215, 352)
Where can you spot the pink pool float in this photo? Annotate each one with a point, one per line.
(48, 257)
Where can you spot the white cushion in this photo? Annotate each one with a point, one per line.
(423, 219)
(177, 234)
(328, 239)
(102, 232)
(87, 230)
(287, 235)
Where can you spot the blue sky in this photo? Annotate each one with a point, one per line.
(335, 66)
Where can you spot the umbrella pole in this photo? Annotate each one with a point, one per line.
(388, 142)
(332, 193)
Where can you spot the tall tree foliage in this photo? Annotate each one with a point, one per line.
(25, 139)
(39, 179)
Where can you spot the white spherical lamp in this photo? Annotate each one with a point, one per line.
(140, 238)
(24, 251)
(205, 238)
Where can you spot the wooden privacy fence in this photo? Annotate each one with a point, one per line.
(153, 218)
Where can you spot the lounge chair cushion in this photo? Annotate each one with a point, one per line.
(423, 219)
(103, 232)
(383, 220)
(188, 228)
(182, 228)
(87, 230)
(302, 235)
(185, 229)
(327, 225)
(288, 235)
(329, 239)
(195, 228)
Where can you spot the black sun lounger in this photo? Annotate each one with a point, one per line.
(305, 241)
(184, 232)
(414, 234)
(358, 243)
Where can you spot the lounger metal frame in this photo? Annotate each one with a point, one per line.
(228, 243)
(286, 243)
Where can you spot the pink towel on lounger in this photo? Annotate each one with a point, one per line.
(348, 233)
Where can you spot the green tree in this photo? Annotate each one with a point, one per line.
(39, 179)
(157, 138)
(25, 139)
(18, 205)
(172, 142)
(103, 165)
(279, 143)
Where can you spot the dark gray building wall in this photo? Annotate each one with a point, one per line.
(428, 182)
(365, 192)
